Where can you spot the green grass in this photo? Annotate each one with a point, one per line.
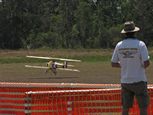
(89, 55)
(21, 59)
(9, 60)
(95, 58)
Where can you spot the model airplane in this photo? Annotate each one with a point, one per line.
(53, 65)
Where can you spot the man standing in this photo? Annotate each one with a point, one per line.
(131, 55)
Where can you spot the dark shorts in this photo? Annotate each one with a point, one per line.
(139, 90)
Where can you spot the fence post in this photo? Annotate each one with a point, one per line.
(27, 105)
(69, 107)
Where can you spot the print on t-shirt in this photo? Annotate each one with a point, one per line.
(128, 52)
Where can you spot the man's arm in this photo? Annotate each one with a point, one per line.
(115, 65)
(144, 55)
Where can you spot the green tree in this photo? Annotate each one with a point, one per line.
(66, 11)
(84, 21)
(71, 23)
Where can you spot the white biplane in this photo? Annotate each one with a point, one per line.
(53, 65)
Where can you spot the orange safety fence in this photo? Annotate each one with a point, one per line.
(74, 102)
(12, 95)
(63, 99)
(80, 102)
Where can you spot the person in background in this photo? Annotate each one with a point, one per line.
(131, 55)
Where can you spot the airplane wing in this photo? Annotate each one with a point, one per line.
(43, 67)
(39, 67)
(51, 58)
(61, 64)
(66, 69)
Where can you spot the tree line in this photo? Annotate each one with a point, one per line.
(71, 23)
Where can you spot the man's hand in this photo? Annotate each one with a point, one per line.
(146, 64)
(115, 65)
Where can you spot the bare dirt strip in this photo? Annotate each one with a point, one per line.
(98, 73)
(91, 72)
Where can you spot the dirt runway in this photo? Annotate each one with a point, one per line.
(94, 73)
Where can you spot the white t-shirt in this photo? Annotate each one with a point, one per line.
(131, 54)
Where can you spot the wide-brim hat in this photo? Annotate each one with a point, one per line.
(129, 27)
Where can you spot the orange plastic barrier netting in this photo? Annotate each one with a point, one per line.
(79, 102)
(63, 99)
(74, 102)
(12, 95)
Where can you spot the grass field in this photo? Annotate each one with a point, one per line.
(95, 67)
